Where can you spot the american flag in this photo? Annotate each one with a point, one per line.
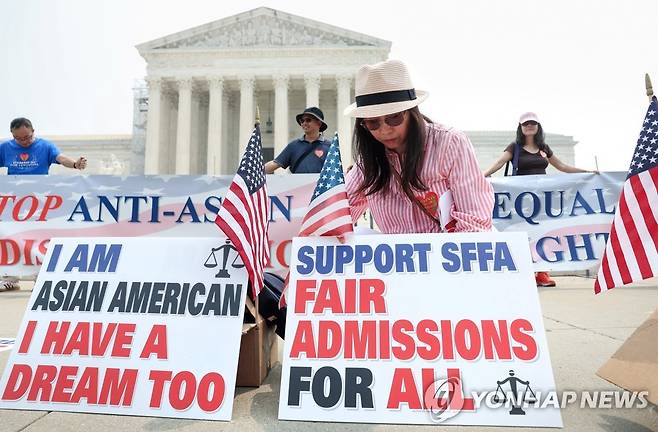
(244, 213)
(631, 253)
(328, 213)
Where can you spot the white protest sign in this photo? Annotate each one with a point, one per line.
(416, 329)
(132, 326)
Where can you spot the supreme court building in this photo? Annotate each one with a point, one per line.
(205, 83)
(195, 109)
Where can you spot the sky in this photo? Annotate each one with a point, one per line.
(70, 65)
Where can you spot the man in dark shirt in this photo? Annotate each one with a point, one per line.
(306, 154)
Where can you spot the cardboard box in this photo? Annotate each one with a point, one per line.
(258, 349)
(634, 367)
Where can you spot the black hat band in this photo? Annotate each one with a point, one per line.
(385, 97)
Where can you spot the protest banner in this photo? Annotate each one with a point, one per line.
(131, 326)
(34, 209)
(567, 216)
(416, 329)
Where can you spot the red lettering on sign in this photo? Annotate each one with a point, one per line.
(88, 338)
(403, 390)
(528, 350)
(156, 343)
(27, 337)
(304, 341)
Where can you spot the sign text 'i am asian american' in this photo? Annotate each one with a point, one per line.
(134, 326)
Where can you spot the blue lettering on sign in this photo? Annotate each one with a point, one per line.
(189, 210)
(385, 258)
(500, 205)
(81, 208)
(147, 209)
(104, 203)
(483, 256)
(580, 203)
(214, 209)
(602, 206)
(284, 209)
(102, 259)
(541, 249)
(548, 195)
(54, 257)
(553, 205)
(579, 247)
(534, 211)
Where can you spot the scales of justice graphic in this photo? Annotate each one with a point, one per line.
(518, 395)
(225, 251)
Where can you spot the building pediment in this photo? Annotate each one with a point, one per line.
(263, 27)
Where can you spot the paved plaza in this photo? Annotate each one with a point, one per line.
(583, 331)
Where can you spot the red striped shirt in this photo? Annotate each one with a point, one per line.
(450, 164)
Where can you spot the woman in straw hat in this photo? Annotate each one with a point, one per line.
(406, 164)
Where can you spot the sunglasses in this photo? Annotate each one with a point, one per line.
(26, 138)
(306, 120)
(391, 120)
(529, 123)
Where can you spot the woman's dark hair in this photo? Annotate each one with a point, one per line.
(372, 156)
(19, 123)
(539, 137)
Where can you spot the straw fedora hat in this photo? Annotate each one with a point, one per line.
(384, 88)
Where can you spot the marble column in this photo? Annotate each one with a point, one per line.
(280, 113)
(168, 119)
(312, 90)
(344, 127)
(247, 118)
(183, 129)
(152, 150)
(215, 152)
(195, 131)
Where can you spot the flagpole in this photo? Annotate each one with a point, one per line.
(647, 84)
(257, 116)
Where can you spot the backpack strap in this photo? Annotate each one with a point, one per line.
(515, 158)
(293, 166)
(516, 150)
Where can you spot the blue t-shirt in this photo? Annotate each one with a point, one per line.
(311, 163)
(35, 159)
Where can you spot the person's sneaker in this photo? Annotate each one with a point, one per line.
(9, 285)
(544, 280)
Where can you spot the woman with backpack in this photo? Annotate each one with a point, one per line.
(528, 155)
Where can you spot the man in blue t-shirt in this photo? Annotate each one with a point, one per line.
(304, 155)
(26, 154)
